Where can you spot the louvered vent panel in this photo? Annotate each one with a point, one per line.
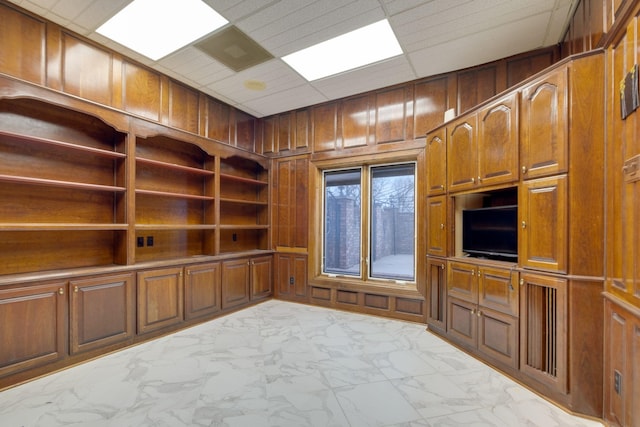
(542, 348)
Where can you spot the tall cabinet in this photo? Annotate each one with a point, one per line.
(532, 317)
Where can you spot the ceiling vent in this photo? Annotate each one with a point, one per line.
(233, 48)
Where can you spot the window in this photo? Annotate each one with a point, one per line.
(370, 207)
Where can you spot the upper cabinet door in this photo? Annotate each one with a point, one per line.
(498, 142)
(462, 154)
(543, 210)
(544, 133)
(437, 162)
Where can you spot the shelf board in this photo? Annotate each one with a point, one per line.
(46, 226)
(67, 145)
(242, 179)
(243, 227)
(176, 227)
(175, 195)
(187, 169)
(57, 183)
(243, 202)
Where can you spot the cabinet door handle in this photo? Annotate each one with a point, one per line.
(442, 266)
(524, 169)
(75, 289)
(524, 225)
(61, 291)
(478, 313)
(473, 180)
(521, 282)
(473, 272)
(441, 187)
(441, 226)
(479, 273)
(479, 180)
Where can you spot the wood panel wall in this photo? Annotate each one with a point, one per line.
(46, 54)
(405, 112)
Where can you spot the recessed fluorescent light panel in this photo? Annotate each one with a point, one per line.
(155, 28)
(358, 48)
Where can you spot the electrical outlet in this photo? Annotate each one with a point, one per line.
(140, 241)
(149, 240)
(291, 280)
(617, 382)
(234, 237)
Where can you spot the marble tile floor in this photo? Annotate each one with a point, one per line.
(283, 364)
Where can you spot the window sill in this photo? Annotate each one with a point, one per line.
(382, 287)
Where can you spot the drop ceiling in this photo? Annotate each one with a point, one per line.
(436, 36)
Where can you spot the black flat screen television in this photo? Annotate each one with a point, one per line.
(491, 232)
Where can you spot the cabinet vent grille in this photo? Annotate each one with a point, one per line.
(542, 325)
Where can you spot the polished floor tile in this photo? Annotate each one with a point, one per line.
(283, 364)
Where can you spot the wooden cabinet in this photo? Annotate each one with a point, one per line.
(437, 162)
(437, 226)
(543, 328)
(291, 276)
(160, 299)
(462, 153)
(261, 277)
(244, 200)
(34, 326)
(235, 282)
(543, 211)
(436, 294)
(544, 127)
(202, 290)
(482, 310)
(498, 143)
(101, 311)
(246, 279)
(482, 147)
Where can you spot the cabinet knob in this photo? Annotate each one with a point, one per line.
(473, 180)
(61, 291)
(441, 187)
(75, 289)
(479, 273)
(473, 272)
(441, 226)
(442, 266)
(479, 180)
(521, 282)
(524, 169)
(524, 225)
(478, 313)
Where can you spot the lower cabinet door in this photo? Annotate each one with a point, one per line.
(261, 277)
(202, 290)
(101, 311)
(160, 299)
(436, 293)
(32, 326)
(498, 336)
(235, 283)
(462, 322)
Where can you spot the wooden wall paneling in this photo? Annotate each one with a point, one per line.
(301, 203)
(285, 133)
(586, 182)
(269, 129)
(183, 107)
(302, 129)
(141, 91)
(579, 29)
(355, 114)
(615, 363)
(244, 130)
(431, 100)
(325, 127)
(86, 70)
(476, 85)
(596, 22)
(523, 67)
(391, 119)
(23, 41)
(218, 121)
(283, 193)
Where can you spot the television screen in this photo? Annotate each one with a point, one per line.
(491, 232)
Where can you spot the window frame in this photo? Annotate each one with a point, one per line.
(365, 232)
